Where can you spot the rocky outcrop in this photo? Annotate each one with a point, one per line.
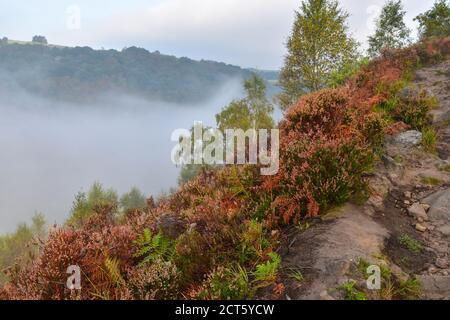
(409, 138)
(439, 206)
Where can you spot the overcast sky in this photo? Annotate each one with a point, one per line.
(249, 33)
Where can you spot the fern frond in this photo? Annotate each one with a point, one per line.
(112, 266)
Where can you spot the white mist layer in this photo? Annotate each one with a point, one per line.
(49, 152)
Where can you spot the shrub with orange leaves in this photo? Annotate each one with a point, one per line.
(88, 248)
(325, 150)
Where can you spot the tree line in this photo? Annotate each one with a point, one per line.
(322, 52)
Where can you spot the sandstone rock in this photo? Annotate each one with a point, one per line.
(442, 263)
(425, 206)
(408, 138)
(399, 273)
(440, 205)
(421, 227)
(324, 295)
(417, 211)
(432, 270)
(445, 230)
(435, 287)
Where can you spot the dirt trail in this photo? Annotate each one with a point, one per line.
(410, 200)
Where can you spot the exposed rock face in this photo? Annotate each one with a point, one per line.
(439, 205)
(171, 225)
(409, 138)
(435, 286)
(400, 203)
(417, 211)
(410, 93)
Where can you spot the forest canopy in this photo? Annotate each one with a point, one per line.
(79, 74)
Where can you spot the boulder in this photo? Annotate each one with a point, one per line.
(418, 212)
(442, 263)
(439, 205)
(171, 225)
(445, 230)
(409, 138)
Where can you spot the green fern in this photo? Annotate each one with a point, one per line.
(267, 272)
(112, 266)
(155, 247)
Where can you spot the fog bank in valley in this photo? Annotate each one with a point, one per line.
(50, 151)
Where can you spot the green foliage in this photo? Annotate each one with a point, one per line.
(410, 243)
(112, 266)
(18, 246)
(297, 276)
(151, 248)
(391, 32)
(436, 21)
(351, 292)
(413, 113)
(349, 69)
(84, 204)
(409, 289)
(253, 242)
(319, 46)
(134, 199)
(227, 284)
(429, 139)
(189, 172)
(39, 39)
(252, 112)
(431, 181)
(267, 272)
(81, 74)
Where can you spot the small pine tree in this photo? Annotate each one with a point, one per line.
(391, 30)
(436, 21)
(319, 46)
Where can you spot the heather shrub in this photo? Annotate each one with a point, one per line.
(193, 256)
(154, 281)
(89, 248)
(224, 283)
(414, 110)
(324, 153)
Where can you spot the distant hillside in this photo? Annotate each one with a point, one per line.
(82, 74)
